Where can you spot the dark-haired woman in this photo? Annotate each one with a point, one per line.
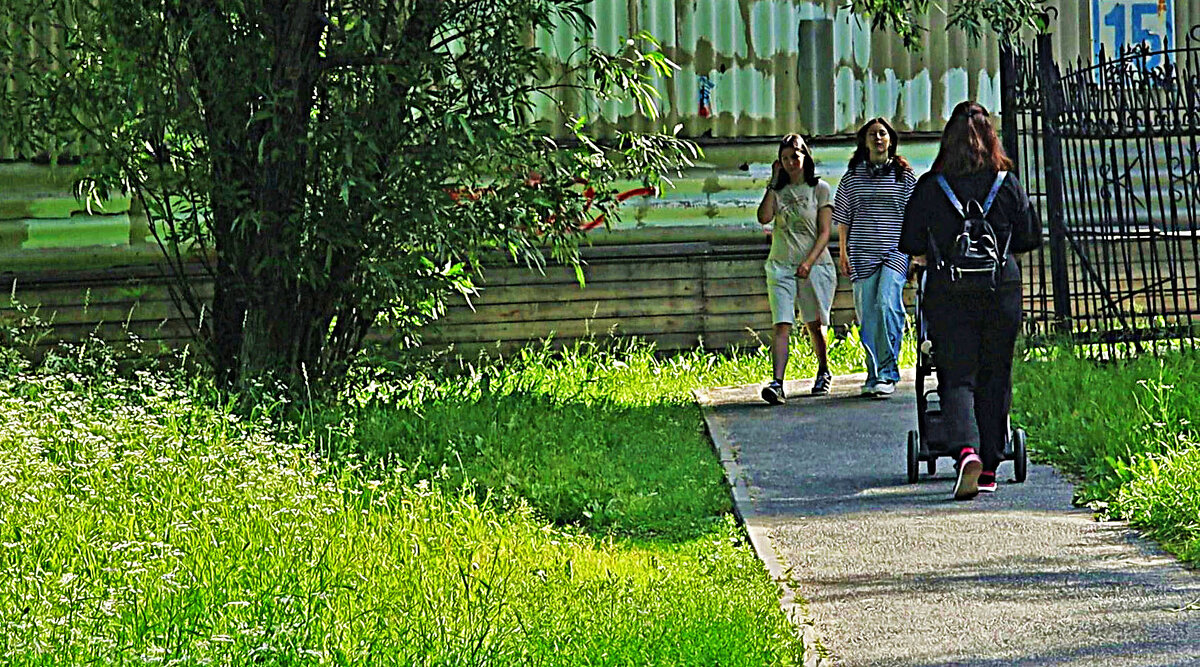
(800, 271)
(869, 211)
(973, 329)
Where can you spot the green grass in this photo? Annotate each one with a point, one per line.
(1126, 428)
(544, 508)
(605, 437)
(541, 509)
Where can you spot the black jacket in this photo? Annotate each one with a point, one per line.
(930, 210)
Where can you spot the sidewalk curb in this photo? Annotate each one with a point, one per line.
(793, 605)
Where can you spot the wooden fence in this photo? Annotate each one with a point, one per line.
(678, 295)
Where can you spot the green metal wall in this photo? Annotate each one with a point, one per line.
(1075, 33)
(763, 68)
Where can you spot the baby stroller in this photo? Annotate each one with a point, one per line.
(926, 443)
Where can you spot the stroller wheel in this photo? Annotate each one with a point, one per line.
(931, 467)
(1020, 456)
(914, 452)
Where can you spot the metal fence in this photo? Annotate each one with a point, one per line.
(1022, 134)
(1111, 153)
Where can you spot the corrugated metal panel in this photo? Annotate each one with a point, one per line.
(762, 68)
(40, 43)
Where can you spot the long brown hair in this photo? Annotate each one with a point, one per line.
(863, 154)
(798, 144)
(969, 143)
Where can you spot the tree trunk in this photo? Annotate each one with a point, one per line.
(270, 318)
(260, 320)
(228, 313)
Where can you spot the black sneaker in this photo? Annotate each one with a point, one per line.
(821, 384)
(773, 393)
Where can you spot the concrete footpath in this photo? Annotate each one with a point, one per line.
(900, 575)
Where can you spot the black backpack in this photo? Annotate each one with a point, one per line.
(976, 258)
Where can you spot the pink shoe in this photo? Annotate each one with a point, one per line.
(987, 482)
(969, 468)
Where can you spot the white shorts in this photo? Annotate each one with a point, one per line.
(813, 295)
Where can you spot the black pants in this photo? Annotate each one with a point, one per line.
(973, 339)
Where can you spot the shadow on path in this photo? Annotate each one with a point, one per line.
(898, 574)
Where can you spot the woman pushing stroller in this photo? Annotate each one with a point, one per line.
(973, 314)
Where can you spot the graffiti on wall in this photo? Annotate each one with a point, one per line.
(704, 86)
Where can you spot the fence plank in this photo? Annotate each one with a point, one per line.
(593, 291)
(577, 328)
(599, 272)
(571, 310)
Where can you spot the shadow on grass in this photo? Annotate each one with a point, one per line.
(629, 471)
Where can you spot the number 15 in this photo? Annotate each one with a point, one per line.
(1135, 23)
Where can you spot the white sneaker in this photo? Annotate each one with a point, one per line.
(868, 389)
(885, 389)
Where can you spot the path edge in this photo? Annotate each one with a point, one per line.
(794, 606)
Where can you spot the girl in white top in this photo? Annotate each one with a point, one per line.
(800, 271)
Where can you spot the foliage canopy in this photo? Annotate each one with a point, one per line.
(1004, 18)
(331, 162)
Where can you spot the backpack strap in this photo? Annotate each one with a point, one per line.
(934, 253)
(950, 195)
(987, 204)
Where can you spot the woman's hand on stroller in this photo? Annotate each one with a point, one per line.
(916, 266)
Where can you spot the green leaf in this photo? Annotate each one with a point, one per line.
(466, 128)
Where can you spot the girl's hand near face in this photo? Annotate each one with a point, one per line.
(767, 207)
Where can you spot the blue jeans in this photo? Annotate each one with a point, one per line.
(879, 302)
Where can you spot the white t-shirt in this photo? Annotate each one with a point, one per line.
(795, 226)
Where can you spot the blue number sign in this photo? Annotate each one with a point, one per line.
(1117, 24)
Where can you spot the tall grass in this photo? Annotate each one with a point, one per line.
(605, 436)
(1126, 427)
(474, 515)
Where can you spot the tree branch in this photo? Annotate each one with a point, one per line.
(417, 34)
(354, 62)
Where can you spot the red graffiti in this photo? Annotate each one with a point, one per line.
(599, 220)
(461, 195)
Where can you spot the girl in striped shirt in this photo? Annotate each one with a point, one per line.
(869, 212)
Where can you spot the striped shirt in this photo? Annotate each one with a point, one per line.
(870, 203)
